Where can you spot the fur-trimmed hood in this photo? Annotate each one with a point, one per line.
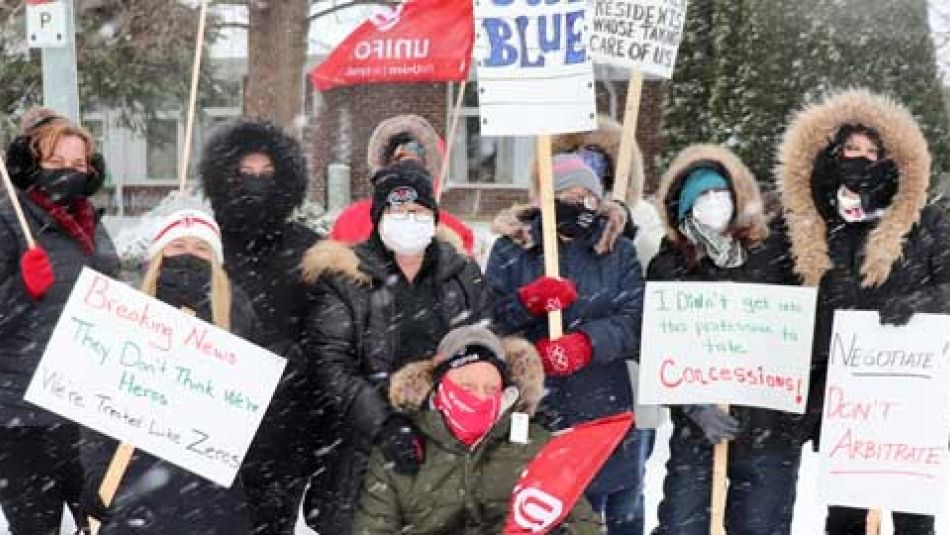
(606, 138)
(810, 132)
(415, 127)
(409, 388)
(233, 141)
(750, 223)
(516, 223)
(331, 257)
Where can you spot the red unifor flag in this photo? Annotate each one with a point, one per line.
(418, 41)
(553, 482)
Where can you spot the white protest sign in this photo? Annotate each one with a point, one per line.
(887, 414)
(144, 373)
(727, 343)
(534, 73)
(643, 34)
(46, 25)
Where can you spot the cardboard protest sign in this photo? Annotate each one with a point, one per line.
(727, 343)
(887, 414)
(642, 34)
(534, 73)
(142, 372)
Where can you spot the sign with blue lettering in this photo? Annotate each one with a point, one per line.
(534, 73)
(643, 34)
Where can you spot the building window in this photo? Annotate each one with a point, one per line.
(161, 149)
(478, 159)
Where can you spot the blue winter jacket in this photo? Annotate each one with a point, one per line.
(608, 310)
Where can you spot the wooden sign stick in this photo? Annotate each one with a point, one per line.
(15, 201)
(450, 142)
(193, 98)
(628, 138)
(549, 226)
(717, 515)
(110, 484)
(874, 522)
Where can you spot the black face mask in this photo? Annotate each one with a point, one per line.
(254, 204)
(63, 186)
(874, 181)
(574, 220)
(184, 281)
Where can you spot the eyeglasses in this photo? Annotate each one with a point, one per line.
(591, 202)
(402, 215)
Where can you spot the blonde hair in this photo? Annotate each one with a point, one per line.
(220, 289)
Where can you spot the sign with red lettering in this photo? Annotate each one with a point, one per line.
(886, 417)
(726, 343)
(144, 373)
(418, 41)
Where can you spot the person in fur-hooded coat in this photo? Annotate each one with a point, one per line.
(854, 172)
(717, 231)
(255, 175)
(399, 138)
(463, 401)
(374, 314)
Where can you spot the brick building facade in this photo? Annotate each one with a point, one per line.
(343, 119)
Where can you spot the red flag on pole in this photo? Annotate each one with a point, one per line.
(553, 482)
(419, 41)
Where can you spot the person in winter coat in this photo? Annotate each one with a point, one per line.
(636, 219)
(402, 137)
(55, 169)
(380, 305)
(462, 401)
(601, 296)
(255, 175)
(717, 231)
(157, 497)
(854, 172)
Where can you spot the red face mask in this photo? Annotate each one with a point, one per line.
(467, 417)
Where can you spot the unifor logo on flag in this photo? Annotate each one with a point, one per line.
(418, 41)
(535, 509)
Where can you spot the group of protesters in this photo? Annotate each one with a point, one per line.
(406, 362)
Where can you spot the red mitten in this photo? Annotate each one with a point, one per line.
(37, 272)
(565, 356)
(547, 294)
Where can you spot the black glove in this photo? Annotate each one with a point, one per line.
(401, 444)
(92, 505)
(717, 425)
(896, 312)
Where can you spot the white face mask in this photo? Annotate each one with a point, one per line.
(406, 234)
(714, 209)
(849, 207)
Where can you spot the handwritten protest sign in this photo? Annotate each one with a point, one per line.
(644, 34)
(144, 373)
(727, 343)
(534, 73)
(887, 414)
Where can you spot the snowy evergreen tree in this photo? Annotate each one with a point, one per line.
(745, 65)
